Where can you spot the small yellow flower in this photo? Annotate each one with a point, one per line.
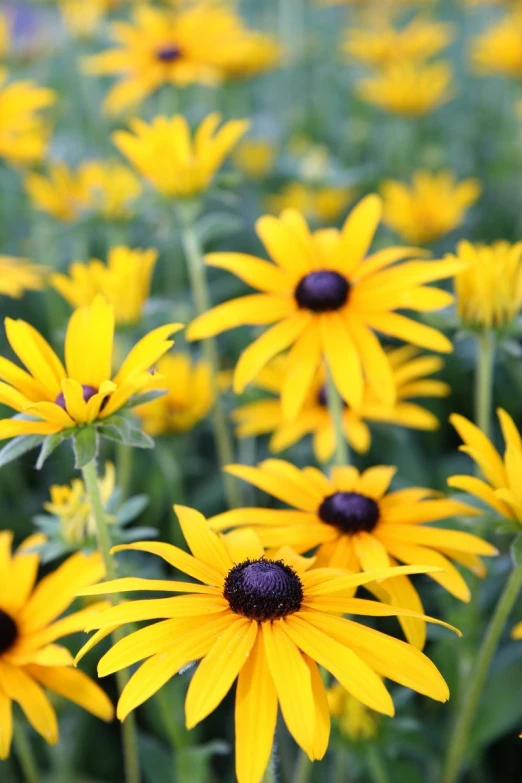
(408, 89)
(356, 721)
(23, 132)
(429, 208)
(81, 18)
(29, 629)
(499, 49)
(124, 282)
(70, 504)
(323, 204)
(18, 275)
(174, 163)
(255, 158)
(62, 193)
(489, 290)
(114, 188)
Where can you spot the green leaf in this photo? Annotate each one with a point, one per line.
(18, 446)
(501, 706)
(131, 509)
(124, 430)
(218, 225)
(192, 763)
(150, 396)
(516, 550)
(51, 442)
(85, 444)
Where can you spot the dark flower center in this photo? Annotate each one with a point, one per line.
(322, 291)
(88, 392)
(8, 632)
(169, 53)
(263, 589)
(322, 397)
(350, 512)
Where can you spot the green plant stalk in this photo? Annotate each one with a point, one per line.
(375, 764)
(198, 282)
(468, 707)
(484, 381)
(270, 775)
(303, 768)
(124, 454)
(335, 408)
(25, 755)
(128, 728)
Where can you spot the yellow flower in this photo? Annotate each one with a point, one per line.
(189, 398)
(70, 504)
(408, 89)
(323, 204)
(499, 49)
(326, 297)
(267, 622)
(83, 18)
(62, 193)
(432, 206)
(360, 526)
(124, 282)
(356, 721)
(114, 188)
(29, 628)
(410, 372)
(203, 42)
(501, 489)
(192, 163)
(385, 45)
(255, 158)
(18, 275)
(58, 397)
(23, 133)
(489, 290)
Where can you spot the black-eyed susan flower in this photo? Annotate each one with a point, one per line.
(114, 188)
(124, 282)
(489, 290)
(266, 622)
(189, 397)
(409, 89)
(193, 162)
(327, 298)
(23, 131)
(355, 720)
(62, 192)
(319, 203)
(430, 207)
(56, 397)
(17, 275)
(30, 659)
(411, 372)
(498, 50)
(255, 157)
(354, 522)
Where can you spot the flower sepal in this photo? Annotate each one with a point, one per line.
(85, 445)
(124, 429)
(18, 446)
(141, 399)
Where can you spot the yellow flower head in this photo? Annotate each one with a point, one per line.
(56, 397)
(432, 206)
(81, 18)
(323, 204)
(23, 132)
(18, 275)
(114, 188)
(408, 89)
(203, 42)
(354, 522)
(385, 45)
(189, 397)
(29, 629)
(489, 290)
(124, 282)
(326, 297)
(266, 622)
(70, 504)
(62, 193)
(501, 490)
(410, 370)
(356, 721)
(192, 162)
(499, 49)
(255, 158)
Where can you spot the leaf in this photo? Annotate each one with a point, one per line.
(218, 225)
(157, 762)
(138, 533)
(17, 447)
(85, 444)
(51, 442)
(500, 711)
(142, 399)
(193, 763)
(123, 429)
(516, 550)
(131, 509)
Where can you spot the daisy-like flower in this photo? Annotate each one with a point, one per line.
(192, 162)
(124, 282)
(320, 203)
(17, 275)
(114, 188)
(498, 50)
(23, 132)
(255, 157)
(489, 290)
(267, 622)
(62, 193)
(55, 397)
(429, 208)
(355, 523)
(189, 397)
(326, 297)
(409, 89)
(410, 371)
(355, 720)
(30, 659)
(204, 43)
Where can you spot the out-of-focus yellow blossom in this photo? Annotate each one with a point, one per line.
(70, 504)
(489, 291)
(114, 188)
(174, 163)
(82, 18)
(204, 42)
(62, 192)
(432, 206)
(18, 275)
(356, 721)
(323, 204)
(189, 398)
(408, 89)
(124, 282)
(385, 45)
(23, 132)
(255, 157)
(499, 49)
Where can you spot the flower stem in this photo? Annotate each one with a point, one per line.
(200, 292)
(335, 408)
(303, 768)
(484, 381)
(25, 755)
(270, 775)
(128, 729)
(468, 708)
(375, 764)
(124, 455)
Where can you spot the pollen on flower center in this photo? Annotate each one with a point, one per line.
(168, 53)
(351, 512)
(8, 632)
(263, 589)
(88, 392)
(322, 291)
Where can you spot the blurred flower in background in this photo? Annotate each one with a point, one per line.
(408, 89)
(114, 188)
(24, 134)
(321, 204)
(355, 720)
(498, 50)
(17, 275)
(61, 192)
(255, 157)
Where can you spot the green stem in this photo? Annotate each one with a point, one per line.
(335, 408)
(270, 776)
(201, 294)
(303, 768)
(25, 755)
(468, 707)
(484, 381)
(124, 455)
(375, 764)
(128, 727)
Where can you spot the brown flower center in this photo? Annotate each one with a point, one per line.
(8, 632)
